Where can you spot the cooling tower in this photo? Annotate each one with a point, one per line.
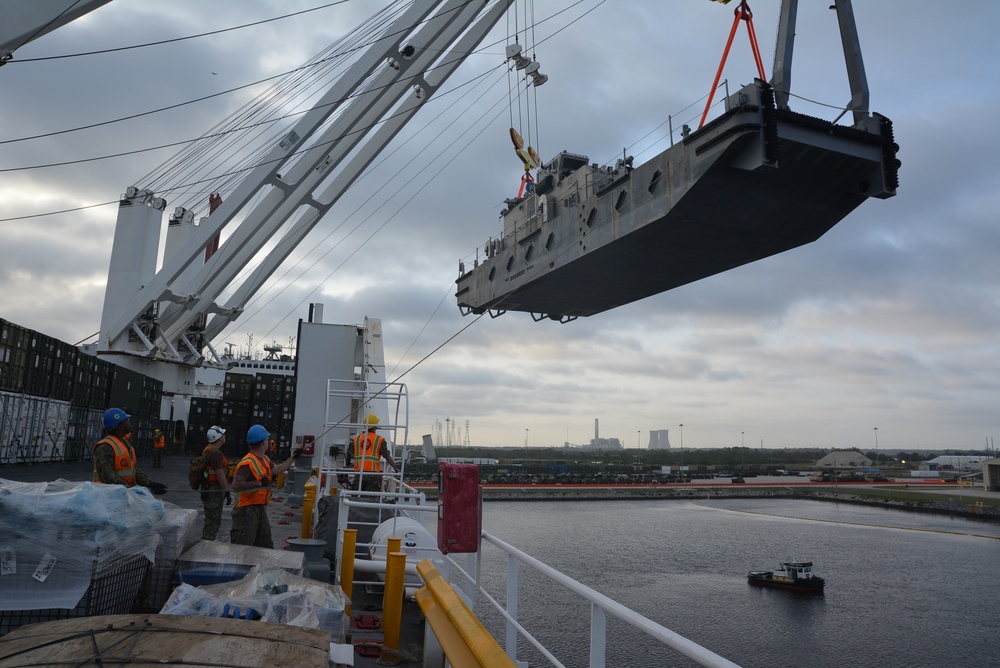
(659, 439)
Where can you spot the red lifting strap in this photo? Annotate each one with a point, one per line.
(742, 13)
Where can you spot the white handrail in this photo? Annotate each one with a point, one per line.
(604, 604)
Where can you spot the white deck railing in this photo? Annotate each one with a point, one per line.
(405, 500)
(600, 607)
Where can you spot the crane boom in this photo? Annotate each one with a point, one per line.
(22, 21)
(161, 315)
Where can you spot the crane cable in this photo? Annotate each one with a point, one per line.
(742, 13)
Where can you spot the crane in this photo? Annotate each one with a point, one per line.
(22, 21)
(162, 322)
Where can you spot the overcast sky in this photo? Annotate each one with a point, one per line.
(889, 321)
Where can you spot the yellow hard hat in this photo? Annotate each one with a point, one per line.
(156, 431)
(371, 420)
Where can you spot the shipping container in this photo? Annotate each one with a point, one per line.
(238, 387)
(268, 388)
(100, 395)
(204, 412)
(126, 390)
(86, 427)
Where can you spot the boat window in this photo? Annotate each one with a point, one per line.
(654, 181)
(510, 262)
(527, 253)
(550, 241)
(591, 217)
(622, 198)
(493, 272)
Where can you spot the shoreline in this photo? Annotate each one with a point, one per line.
(946, 505)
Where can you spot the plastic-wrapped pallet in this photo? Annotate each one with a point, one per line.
(268, 594)
(177, 534)
(70, 549)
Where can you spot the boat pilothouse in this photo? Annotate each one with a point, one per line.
(559, 186)
(793, 575)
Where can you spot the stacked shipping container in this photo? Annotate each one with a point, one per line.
(52, 397)
(264, 398)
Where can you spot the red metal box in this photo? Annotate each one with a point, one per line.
(460, 508)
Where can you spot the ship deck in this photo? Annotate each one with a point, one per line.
(286, 522)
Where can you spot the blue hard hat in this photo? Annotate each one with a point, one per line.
(256, 434)
(114, 417)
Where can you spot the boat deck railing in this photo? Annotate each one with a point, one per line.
(465, 574)
(600, 608)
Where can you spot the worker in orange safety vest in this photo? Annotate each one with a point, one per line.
(159, 444)
(252, 484)
(115, 462)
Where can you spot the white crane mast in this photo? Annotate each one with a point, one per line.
(154, 317)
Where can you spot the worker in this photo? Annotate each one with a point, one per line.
(369, 449)
(159, 443)
(114, 458)
(216, 486)
(252, 484)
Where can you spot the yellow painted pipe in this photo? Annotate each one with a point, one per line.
(347, 565)
(458, 630)
(392, 603)
(308, 500)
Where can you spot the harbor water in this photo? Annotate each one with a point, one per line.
(902, 589)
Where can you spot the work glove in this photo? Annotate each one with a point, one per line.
(297, 452)
(229, 499)
(265, 482)
(158, 488)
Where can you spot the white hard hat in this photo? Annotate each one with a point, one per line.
(215, 433)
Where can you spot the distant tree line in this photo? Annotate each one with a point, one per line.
(730, 457)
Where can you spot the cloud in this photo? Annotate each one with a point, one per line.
(888, 320)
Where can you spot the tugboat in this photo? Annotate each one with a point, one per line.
(794, 575)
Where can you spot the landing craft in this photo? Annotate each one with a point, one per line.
(758, 180)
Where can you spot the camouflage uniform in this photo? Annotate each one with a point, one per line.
(251, 527)
(213, 499)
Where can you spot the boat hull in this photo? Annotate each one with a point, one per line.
(757, 182)
(805, 586)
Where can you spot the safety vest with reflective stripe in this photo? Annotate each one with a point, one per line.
(366, 452)
(260, 469)
(125, 460)
(210, 476)
(159, 442)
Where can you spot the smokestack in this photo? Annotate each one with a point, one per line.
(428, 448)
(316, 313)
(597, 428)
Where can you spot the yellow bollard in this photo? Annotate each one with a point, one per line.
(392, 604)
(393, 545)
(347, 565)
(308, 499)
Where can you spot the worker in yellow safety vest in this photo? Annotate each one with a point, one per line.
(369, 449)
